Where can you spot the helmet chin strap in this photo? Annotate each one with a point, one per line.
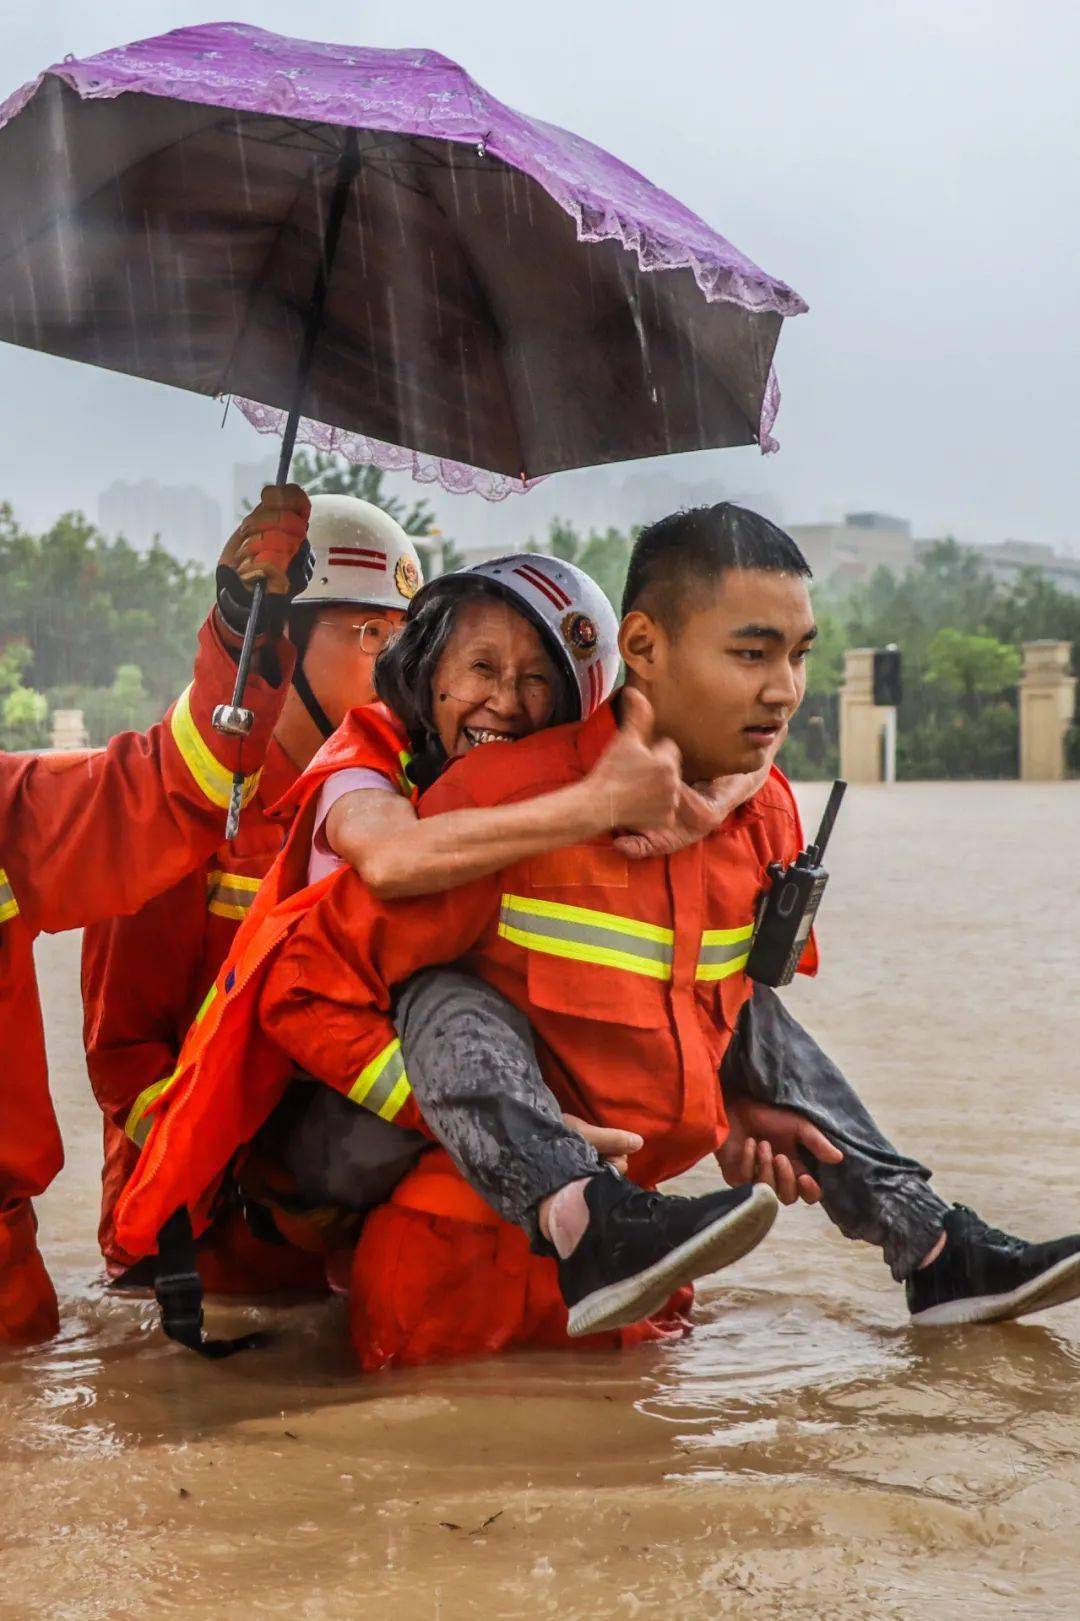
(310, 702)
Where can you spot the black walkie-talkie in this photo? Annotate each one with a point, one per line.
(789, 906)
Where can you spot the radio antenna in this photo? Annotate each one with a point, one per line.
(824, 832)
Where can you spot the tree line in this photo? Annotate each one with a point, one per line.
(90, 623)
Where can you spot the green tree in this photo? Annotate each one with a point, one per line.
(969, 668)
(24, 719)
(86, 604)
(606, 556)
(14, 658)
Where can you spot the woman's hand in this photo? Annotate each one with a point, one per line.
(701, 809)
(636, 783)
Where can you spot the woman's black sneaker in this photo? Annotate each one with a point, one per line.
(639, 1247)
(985, 1276)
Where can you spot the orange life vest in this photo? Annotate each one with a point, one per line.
(229, 1074)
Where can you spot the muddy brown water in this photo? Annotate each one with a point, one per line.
(804, 1453)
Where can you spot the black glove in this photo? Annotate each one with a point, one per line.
(234, 597)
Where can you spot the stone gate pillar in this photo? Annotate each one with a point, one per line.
(862, 722)
(1047, 702)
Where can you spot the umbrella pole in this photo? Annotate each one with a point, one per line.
(233, 718)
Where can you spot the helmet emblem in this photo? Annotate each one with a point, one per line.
(406, 577)
(580, 634)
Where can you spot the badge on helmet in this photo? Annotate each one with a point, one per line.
(407, 577)
(581, 634)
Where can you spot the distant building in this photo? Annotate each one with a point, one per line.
(183, 517)
(248, 479)
(849, 552)
(1007, 560)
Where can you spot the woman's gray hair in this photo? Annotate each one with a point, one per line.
(405, 669)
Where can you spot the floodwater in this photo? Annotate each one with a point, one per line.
(804, 1453)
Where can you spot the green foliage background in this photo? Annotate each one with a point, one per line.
(93, 624)
(90, 623)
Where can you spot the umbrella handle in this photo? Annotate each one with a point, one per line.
(233, 719)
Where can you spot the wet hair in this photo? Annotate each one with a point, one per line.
(405, 669)
(674, 557)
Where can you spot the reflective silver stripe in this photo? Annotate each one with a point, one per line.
(719, 954)
(584, 935)
(724, 951)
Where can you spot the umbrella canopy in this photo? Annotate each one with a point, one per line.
(505, 296)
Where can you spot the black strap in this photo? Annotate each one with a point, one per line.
(179, 1293)
(309, 700)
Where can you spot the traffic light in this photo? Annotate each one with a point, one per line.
(887, 687)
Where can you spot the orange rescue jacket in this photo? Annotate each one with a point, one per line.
(145, 976)
(226, 1022)
(88, 835)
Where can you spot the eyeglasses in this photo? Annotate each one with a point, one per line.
(374, 634)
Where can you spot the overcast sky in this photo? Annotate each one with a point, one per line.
(911, 167)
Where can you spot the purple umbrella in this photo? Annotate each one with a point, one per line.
(368, 240)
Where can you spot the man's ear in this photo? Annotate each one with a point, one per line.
(643, 644)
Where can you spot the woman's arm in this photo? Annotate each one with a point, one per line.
(634, 784)
(396, 853)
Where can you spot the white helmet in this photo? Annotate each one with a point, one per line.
(570, 610)
(362, 555)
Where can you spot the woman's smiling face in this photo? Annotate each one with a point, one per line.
(494, 682)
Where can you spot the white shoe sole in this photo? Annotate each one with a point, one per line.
(1053, 1287)
(633, 1299)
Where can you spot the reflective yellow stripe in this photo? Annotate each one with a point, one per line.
(405, 760)
(136, 1126)
(382, 1086)
(205, 1005)
(8, 904)
(230, 895)
(213, 778)
(580, 934)
(724, 952)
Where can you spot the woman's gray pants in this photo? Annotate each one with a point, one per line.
(473, 1070)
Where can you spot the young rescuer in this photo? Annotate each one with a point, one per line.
(487, 658)
(715, 634)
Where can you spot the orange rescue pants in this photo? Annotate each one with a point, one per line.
(438, 1277)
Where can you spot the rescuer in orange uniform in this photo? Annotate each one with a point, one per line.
(87, 835)
(145, 976)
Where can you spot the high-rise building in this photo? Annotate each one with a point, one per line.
(183, 517)
(247, 483)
